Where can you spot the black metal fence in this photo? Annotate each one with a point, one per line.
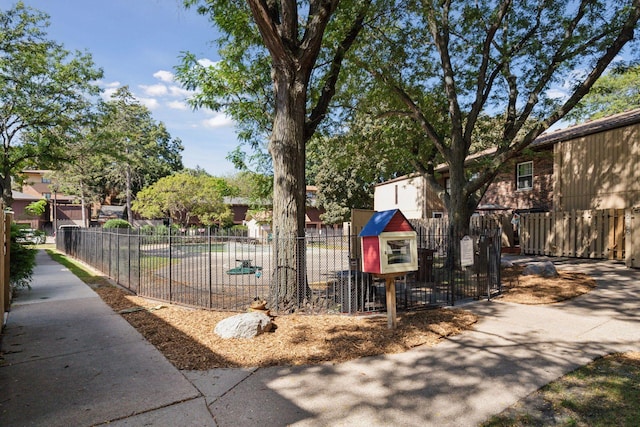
(227, 271)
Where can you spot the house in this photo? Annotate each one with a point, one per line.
(20, 202)
(258, 223)
(62, 209)
(593, 165)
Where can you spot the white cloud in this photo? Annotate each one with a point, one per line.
(107, 93)
(179, 92)
(154, 90)
(164, 76)
(207, 62)
(178, 105)
(218, 121)
(150, 103)
(557, 94)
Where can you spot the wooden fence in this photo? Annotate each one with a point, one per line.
(5, 242)
(597, 234)
(439, 226)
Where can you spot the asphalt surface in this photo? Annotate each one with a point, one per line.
(69, 360)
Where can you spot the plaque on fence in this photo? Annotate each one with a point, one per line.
(466, 251)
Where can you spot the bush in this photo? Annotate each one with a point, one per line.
(23, 261)
(116, 223)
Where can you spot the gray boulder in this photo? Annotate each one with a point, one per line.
(245, 325)
(544, 269)
(506, 263)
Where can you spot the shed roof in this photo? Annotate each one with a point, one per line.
(381, 221)
(18, 195)
(589, 128)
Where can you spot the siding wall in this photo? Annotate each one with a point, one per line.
(404, 194)
(415, 198)
(599, 171)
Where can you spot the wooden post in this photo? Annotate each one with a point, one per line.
(390, 286)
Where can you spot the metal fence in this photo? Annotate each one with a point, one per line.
(227, 272)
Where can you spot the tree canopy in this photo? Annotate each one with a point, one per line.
(45, 94)
(278, 73)
(141, 149)
(492, 62)
(184, 197)
(615, 92)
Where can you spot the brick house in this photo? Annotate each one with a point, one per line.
(61, 210)
(593, 165)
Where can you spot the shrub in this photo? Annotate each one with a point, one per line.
(23, 260)
(116, 223)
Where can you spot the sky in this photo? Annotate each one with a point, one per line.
(138, 43)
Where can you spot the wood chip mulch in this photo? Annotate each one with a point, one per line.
(539, 290)
(185, 336)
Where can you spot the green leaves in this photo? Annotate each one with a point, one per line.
(615, 92)
(185, 197)
(44, 93)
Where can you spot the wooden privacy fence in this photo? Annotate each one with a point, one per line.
(595, 234)
(5, 242)
(488, 221)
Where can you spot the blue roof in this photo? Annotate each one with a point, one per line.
(378, 223)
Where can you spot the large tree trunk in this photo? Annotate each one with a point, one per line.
(7, 194)
(128, 194)
(287, 149)
(461, 206)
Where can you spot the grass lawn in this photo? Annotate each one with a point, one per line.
(606, 392)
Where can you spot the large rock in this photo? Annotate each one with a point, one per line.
(245, 325)
(505, 263)
(544, 269)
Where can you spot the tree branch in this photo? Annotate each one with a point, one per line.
(482, 81)
(329, 88)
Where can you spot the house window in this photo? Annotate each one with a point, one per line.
(447, 185)
(46, 180)
(525, 176)
(46, 196)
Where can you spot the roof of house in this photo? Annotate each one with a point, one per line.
(549, 138)
(17, 195)
(589, 128)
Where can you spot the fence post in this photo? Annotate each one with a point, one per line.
(170, 267)
(209, 267)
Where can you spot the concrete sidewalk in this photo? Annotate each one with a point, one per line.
(69, 360)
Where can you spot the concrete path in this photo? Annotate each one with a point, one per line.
(71, 361)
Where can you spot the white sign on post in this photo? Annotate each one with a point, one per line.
(466, 251)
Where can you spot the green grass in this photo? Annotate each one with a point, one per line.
(91, 279)
(605, 392)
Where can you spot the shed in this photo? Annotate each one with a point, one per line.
(389, 244)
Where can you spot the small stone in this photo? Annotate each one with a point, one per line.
(245, 325)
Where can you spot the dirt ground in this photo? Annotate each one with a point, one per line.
(186, 336)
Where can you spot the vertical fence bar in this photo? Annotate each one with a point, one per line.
(170, 265)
